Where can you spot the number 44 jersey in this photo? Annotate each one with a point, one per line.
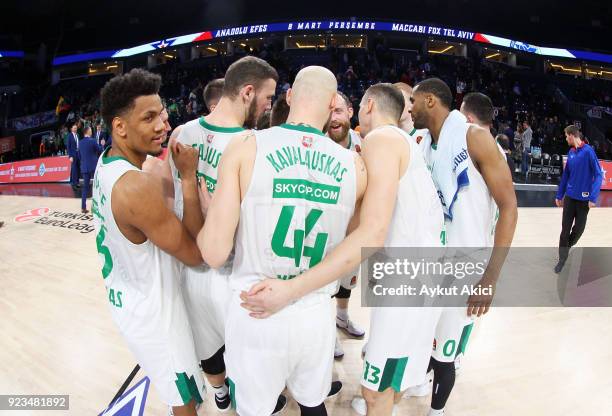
(297, 206)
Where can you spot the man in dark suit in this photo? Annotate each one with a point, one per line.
(89, 150)
(101, 137)
(72, 145)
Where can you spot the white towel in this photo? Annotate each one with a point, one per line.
(449, 162)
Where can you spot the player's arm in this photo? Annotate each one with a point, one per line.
(186, 161)
(383, 162)
(216, 239)
(140, 211)
(494, 170)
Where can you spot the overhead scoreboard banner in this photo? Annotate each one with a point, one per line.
(12, 54)
(326, 25)
(46, 169)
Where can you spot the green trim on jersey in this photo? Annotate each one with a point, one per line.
(465, 336)
(434, 146)
(302, 127)
(392, 374)
(218, 129)
(188, 388)
(350, 141)
(108, 159)
(413, 131)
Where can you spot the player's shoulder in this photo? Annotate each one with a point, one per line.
(134, 185)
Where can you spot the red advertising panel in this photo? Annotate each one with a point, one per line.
(7, 144)
(47, 169)
(606, 168)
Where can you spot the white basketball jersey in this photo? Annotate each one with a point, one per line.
(211, 142)
(474, 211)
(297, 207)
(135, 273)
(354, 141)
(418, 220)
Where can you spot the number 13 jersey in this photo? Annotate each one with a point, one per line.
(297, 206)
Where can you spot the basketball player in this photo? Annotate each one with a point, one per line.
(213, 93)
(470, 214)
(291, 192)
(138, 235)
(248, 89)
(340, 132)
(400, 209)
(478, 109)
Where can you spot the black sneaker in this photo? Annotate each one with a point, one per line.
(281, 403)
(559, 266)
(336, 387)
(224, 404)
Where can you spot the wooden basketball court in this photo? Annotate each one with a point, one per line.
(58, 336)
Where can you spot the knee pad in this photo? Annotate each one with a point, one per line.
(215, 364)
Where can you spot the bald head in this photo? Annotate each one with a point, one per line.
(312, 95)
(314, 82)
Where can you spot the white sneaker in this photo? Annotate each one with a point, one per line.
(338, 351)
(171, 413)
(420, 390)
(360, 406)
(349, 327)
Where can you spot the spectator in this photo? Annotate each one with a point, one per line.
(73, 153)
(578, 191)
(526, 138)
(89, 150)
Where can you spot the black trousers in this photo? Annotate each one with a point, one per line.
(574, 220)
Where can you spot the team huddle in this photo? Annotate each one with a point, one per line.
(224, 258)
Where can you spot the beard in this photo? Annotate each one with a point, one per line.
(419, 122)
(251, 119)
(338, 136)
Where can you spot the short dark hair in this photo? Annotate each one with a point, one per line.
(573, 131)
(280, 111)
(389, 99)
(119, 94)
(213, 91)
(437, 87)
(480, 105)
(249, 70)
(348, 102)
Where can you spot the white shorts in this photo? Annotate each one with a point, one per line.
(207, 296)
(293, 348)
(350, 280)
(399, 347)
(452, 334)
(157, 331)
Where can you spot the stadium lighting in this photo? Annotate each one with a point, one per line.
(443, 50)
(564, 68)
(492, 56)
(212, 49)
